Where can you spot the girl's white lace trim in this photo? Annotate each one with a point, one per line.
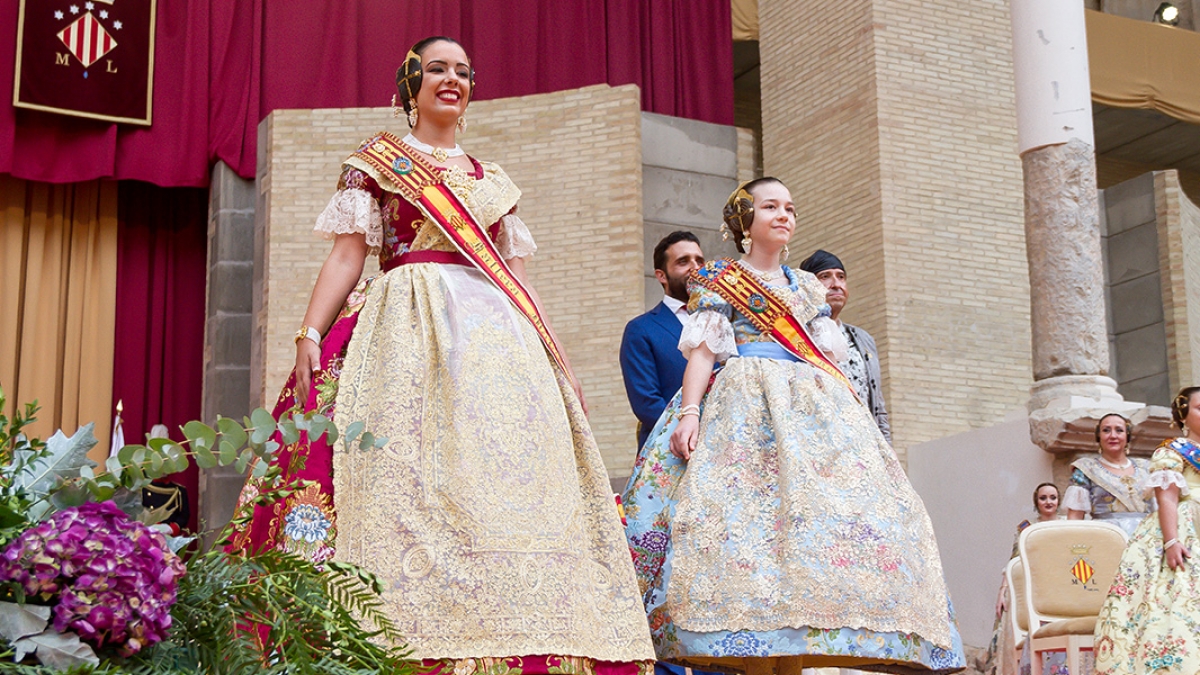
(352, 211)
(712, 328)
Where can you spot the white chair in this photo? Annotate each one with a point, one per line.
(1018, 611)
(1068, 567)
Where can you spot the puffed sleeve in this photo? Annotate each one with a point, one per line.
(709, 321)
(1166, 469)
(514, 239)
(1079, 493)
(353, 209)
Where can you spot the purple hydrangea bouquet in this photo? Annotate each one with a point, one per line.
(88, 584)
(114, 579)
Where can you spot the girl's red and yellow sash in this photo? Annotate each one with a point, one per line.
(421, 184)
(751, 298)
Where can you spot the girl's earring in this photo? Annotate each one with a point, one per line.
(397, 111)
(412, 113)
(462, 123)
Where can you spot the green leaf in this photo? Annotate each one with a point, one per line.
(18, 621)
(232, 431)
(176, 457)
(228, 453)
(113, 466)
(200, 435)
(42, 471)
(380, 441)
(244, 460)
(317, 426)
(60, 651)
(156, 464)
(205, 459)
(264, 425)
(366, 441)
(260, 469)
(125, 454)
(85, 471)
(139, 456)
(289, 432)
(352, 432)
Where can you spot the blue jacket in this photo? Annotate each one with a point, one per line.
(652, 365)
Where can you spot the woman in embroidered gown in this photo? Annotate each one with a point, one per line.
(1109, 485)
(488, 513)
(1003, 644)
(775, 529)
(1150, 622)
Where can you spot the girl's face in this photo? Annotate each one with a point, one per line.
(1192, 420)
(1047, 501)
(445, 81)
(774, 216)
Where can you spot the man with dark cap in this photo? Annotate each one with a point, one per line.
(862, 364)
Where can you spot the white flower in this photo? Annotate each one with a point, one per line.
(117, 25)
(58, 14)
(104, 14)
(74, 9)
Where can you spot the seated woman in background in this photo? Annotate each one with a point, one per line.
(1150, 622)
(1003, 645)
(1109, 485)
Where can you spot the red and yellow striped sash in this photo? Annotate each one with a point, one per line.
(422, 185)
(768, 313)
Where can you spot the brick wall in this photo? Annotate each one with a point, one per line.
(577, 157)
(894, 125)
(1178, 221)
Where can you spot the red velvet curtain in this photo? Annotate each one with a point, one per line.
(223, 65)
(158, 365)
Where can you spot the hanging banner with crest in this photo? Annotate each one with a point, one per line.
(87, 58)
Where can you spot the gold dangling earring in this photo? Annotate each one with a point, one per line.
(746, 245)
(396, 110)
(462, 123)
(412, 113)
(786, 253)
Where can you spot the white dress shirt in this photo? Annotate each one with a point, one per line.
(677, 307)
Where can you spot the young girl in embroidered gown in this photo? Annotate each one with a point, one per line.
(1150, 622)
(488, 513)
(775, 529)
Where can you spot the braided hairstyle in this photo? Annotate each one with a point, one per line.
(738, 213)
(409, 75)
(1179, 406)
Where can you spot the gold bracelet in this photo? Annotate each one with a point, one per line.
(308, 332)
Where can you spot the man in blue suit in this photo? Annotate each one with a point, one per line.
(651, 362)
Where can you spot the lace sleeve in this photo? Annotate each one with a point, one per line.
(829, 339)
(1077, 499)
(708, 327)
(514, 239)
(352, 211)
(1164, 479)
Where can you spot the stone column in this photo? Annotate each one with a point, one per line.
(227, 388)
(1062, 226)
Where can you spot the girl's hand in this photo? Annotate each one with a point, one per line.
(308, 360)
(1176, 556)
(683, 439)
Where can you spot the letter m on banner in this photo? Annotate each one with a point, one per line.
(88, 58)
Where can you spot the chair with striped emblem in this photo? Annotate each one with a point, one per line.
(1068, 566)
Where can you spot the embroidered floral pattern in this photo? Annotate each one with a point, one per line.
(736, 562)
(1150, 622)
